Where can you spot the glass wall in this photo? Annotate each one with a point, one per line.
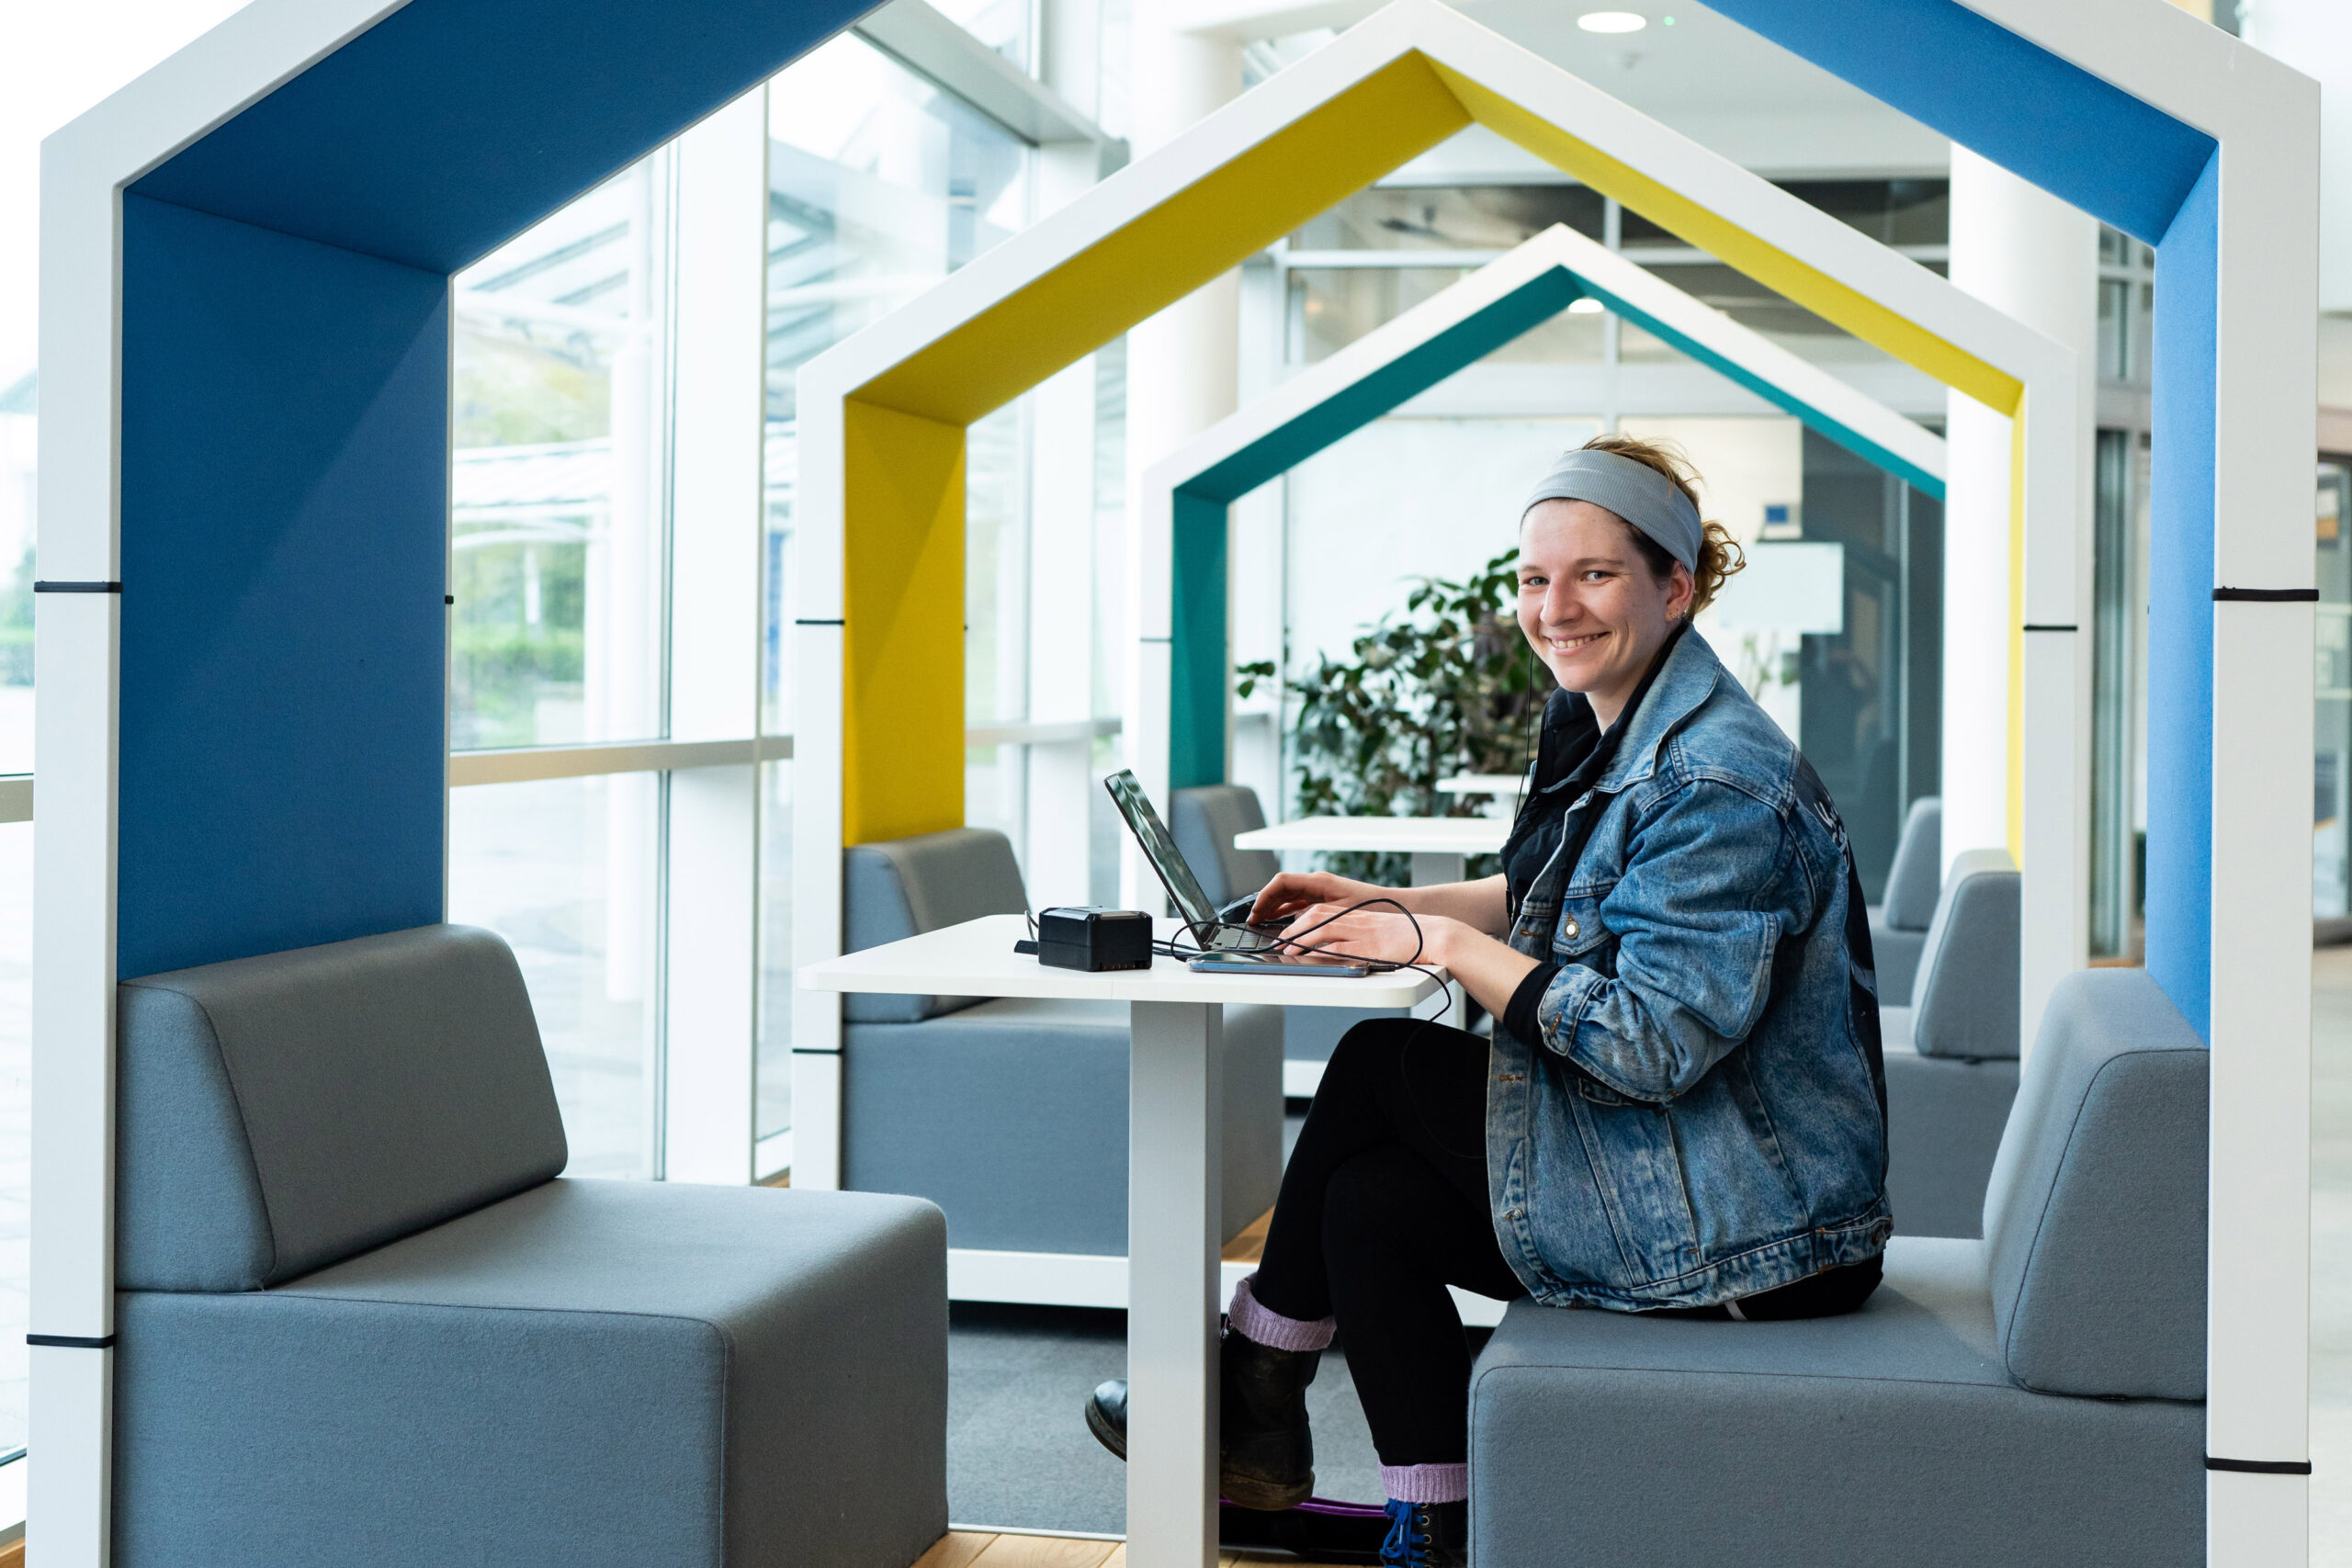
(15, 1121)
(16, 475)
(556, 485)
(565, 870)
(2332, 681)
(1431, 489)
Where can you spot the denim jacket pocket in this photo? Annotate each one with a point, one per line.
(1577, 932)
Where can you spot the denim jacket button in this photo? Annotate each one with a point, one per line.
(1569, 928)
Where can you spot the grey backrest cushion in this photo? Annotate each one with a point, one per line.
(280, 1113)
(903, 887)
(1916, 880)
(2094, 1215)
(1965, 999)
(1204, 821)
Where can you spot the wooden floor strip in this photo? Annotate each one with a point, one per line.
(982, 1548)
(1249, 1245)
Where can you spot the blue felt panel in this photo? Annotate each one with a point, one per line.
(454, 124)
(2041, 117)
(285, 426)
(1200, 653)
(2181, 609)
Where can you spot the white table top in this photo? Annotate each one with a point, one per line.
(1481, 784)
(975, 959)
(1397, 835)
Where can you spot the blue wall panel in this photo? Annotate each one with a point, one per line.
(285, 430)
(2040, 116)
(452, 125)
(2181, 609)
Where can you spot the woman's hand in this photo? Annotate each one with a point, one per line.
(1489, 970)
(1380, 933)
(1293, 891)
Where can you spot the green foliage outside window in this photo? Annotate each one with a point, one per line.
(16, 624)
(504, 661)
(1449, 687)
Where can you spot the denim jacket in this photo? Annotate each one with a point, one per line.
(1705, 1115)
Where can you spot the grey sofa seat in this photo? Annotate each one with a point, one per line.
(1899, 922)
(360, 1323)
(1206, 820)
(1952, 1061)
(2030, 1399)
(1012, 1114)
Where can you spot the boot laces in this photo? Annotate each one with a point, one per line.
(1407, 1545)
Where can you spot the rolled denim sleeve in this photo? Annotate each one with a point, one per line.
(1709, 891)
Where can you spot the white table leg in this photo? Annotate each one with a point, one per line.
(1428, 871)
(1175, 1156)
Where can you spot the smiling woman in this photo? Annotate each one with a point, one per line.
(1677, 939)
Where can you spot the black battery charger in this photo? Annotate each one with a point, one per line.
(1083, 937)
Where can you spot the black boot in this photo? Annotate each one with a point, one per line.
(1266, 1455)
(1427, 1535)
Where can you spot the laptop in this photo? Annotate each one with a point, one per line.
(1175, 873)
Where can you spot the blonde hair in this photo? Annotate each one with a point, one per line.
(1719, 554)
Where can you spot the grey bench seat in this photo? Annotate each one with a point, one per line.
(1899, 922)
(363, 1321)
(1205, 819)
(1952, 1060)
(1011, 1114)
(2033, 1399)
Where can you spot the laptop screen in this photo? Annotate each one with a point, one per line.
(1160, 848)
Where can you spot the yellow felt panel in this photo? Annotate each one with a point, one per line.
(1209, 226)
(903, 719)
(1769, 264)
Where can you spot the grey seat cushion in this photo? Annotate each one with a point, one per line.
(1204, 821)
(278, 1113)
(1943, 1124)
(1966, 994)
(1916, 879)
(2094, 1216)
(1894, 954)
(1012, 1117)
(903, 887)
(590, 1373)
(1311, 1034)
(1891, 1436)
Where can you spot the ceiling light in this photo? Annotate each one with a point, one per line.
(1585, 305)
(1612, 22)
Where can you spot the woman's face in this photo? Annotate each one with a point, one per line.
(1588, 603)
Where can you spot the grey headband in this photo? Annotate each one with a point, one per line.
(1634, 492)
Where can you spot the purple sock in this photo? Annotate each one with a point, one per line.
(1266, 1326)
(1426, 1483)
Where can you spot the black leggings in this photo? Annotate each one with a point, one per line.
(1384, 1204)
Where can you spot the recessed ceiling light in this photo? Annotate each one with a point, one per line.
(1612, 22)
(1585, 305)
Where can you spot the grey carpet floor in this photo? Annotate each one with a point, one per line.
(1018, 1451)
(1019, 1454)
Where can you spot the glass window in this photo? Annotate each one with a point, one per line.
(879, 185)
(16, 426)
(558, 548)
(15, 1121)
(566, 871)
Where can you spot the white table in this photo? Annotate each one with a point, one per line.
(1504, 788)
(1438, 844)
(1175, 1155)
